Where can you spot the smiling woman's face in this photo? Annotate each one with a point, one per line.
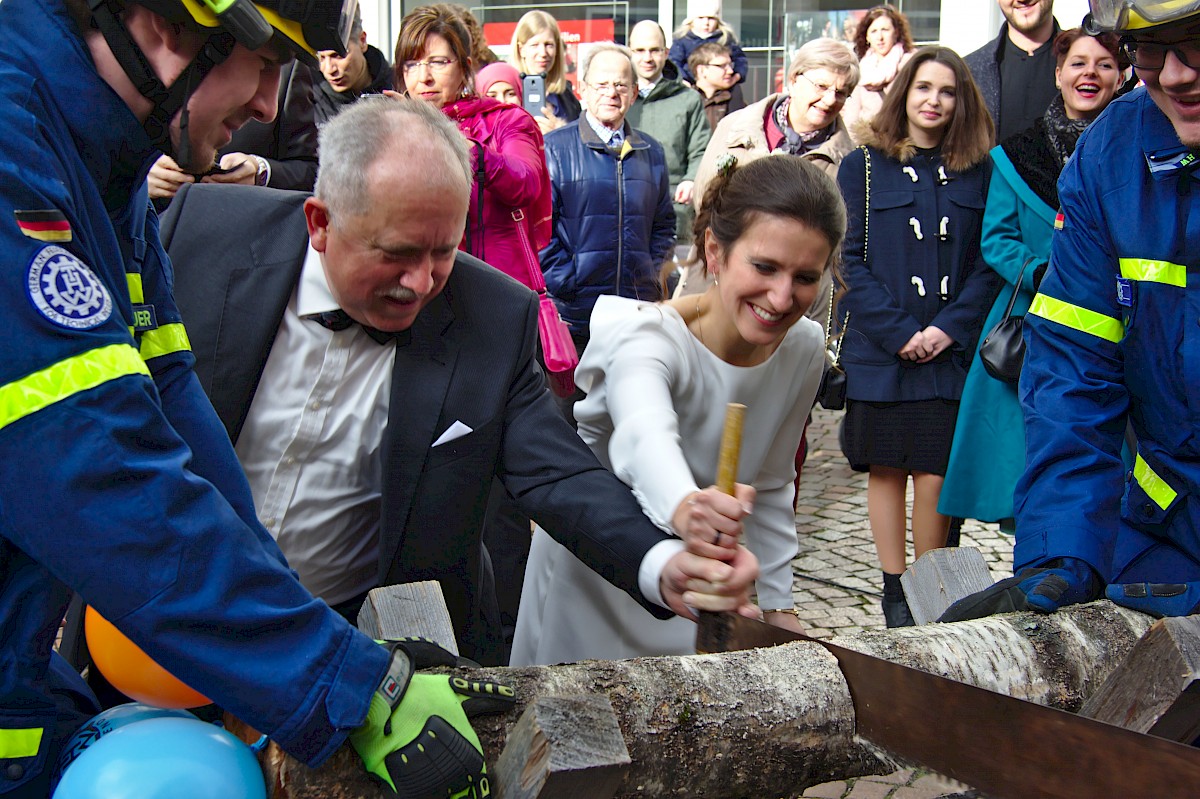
(1088, 78)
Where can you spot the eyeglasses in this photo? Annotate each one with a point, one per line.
(726, 67)
(840, 95)
(437, 65)
(655, 51)
(1153, 55)
(621, 89)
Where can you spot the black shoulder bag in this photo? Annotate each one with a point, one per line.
(1003, 349)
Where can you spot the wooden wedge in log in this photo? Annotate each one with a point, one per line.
(941, 577)
(1156, 690)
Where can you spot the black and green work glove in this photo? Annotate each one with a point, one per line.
(417, 737)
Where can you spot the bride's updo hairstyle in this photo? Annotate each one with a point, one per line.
(779, 186)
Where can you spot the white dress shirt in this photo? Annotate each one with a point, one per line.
(311, 448)
(311, 442)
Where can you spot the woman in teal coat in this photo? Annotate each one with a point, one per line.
(988, 452)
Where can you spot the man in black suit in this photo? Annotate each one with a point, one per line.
(371, 463)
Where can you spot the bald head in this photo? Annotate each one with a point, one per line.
(649, 46)
(414, 134)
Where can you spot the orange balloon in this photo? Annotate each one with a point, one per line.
(131, 671)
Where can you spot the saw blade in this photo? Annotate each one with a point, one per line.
(1006, 748)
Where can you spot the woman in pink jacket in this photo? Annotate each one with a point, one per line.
(509, 219)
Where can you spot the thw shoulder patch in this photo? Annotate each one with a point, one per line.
(66, 291)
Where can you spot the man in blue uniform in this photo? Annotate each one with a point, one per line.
(117, 480)
(1113, 339)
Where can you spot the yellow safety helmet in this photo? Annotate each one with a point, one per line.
(1127, 16)
(303, 26)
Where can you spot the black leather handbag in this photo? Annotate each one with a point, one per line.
(1003, 349)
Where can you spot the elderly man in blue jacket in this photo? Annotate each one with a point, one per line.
(614, 224)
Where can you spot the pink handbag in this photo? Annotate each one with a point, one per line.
(558, 348)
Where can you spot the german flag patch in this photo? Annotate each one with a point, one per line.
(1059, 221)
(48, 225)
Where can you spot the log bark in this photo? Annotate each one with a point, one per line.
(773, 722)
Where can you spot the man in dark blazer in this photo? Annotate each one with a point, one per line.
(387, 232)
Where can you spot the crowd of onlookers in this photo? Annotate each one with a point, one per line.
(947, 169)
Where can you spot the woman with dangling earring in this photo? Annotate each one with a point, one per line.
(657, 376)
(917, 292)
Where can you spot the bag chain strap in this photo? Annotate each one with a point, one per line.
(837, 351)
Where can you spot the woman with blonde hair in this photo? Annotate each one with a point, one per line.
(537, 49)
(917, 292)
(883, 44)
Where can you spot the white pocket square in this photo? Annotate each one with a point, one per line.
(456, 430)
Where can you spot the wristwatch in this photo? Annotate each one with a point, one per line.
(264, 171)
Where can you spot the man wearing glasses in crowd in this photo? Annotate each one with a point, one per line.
(614, 224)
(1112, 341)
(712, 64)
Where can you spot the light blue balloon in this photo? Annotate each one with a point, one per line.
(165, 758)
(102, 724)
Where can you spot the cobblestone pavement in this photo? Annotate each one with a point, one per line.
(839, 585)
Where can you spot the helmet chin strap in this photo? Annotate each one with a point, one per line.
(166, 102)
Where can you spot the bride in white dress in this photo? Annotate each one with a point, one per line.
(658, 377)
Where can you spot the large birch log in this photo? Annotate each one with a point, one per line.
(772, 722)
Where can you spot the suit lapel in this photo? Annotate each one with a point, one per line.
(420, 382)
(256, 298)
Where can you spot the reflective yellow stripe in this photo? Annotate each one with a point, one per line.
(1076, 318)
(136, 294)
(164, 340)
(67, 378)
(20, 743)
(1152, 271)
(1155, 487)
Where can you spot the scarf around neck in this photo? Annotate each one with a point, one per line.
(877, 71)
(1062, 131)
(798, 143)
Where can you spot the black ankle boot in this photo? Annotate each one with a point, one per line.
(896, 612)
(895, 606)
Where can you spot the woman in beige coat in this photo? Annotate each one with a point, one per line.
(806, 122)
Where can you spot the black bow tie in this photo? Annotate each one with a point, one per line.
(340, 320)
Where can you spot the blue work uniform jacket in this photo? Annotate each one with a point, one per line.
(1113, 338)
(117, 481)
(921, 267)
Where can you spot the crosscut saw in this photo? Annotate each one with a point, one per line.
(1004, 747)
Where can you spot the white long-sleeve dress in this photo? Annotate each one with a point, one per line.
(653, 415)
